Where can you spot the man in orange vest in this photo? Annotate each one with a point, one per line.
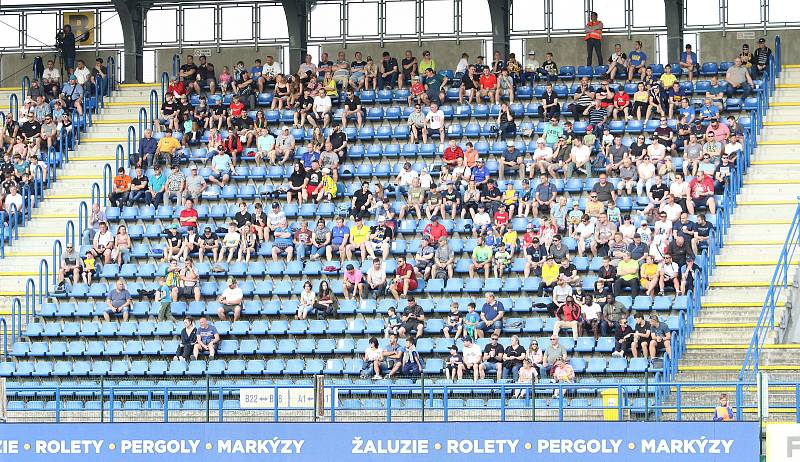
(594, 35)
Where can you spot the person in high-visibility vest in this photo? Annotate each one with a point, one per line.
(723, 411)
(593, 38)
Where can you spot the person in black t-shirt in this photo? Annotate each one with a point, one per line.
(31, 129)
(314, 176)
(242, 216)
(169, 113)
(338, 140)
(468, 86)
(388, 71)
(623, 336)
(352, 108)
(641, 336)
(361, 202)
(493, 357)
(205, 74)
(408, 69)
(512, 358)
(188, 72)
(138, 191)
(550, 106)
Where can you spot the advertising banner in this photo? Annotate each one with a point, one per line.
(783, 442)
(418, 442)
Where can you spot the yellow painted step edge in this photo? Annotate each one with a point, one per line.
(776, 162)
(783, 202)
(90, 139)
(744, 346)
(740, 284)
(734, 304)
(750, 263)
(735, 368)
(135, 104)
(114, 121)
(761, 222)
(720, 325)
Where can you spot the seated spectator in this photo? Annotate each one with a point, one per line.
(306, 303)
(393, 353)
(326, 303)
(591, 314)
(513, 358)
(208, 243)
(481, 259)
(284, 146)
(375, 286)
(392, 323)
(738, 77)
(320, 110)
(71, 265)
(187, 342)
(562, 373)
(568, 315)
(230, 301)
(353, 283)
(473, 359)
(413, 319)
(701, 190)
(555, 352)
(405, 280)
(669, 272)
(454, 323)
(282, 244)
(641, 336)
(207, 339)
(121, 190)
(627, 276)
(352, 108)
(492, 314)
(434, 89)
(454, 364)
(122, 246)
(338, 240)
(649, 276)
(230, 243)
(373, 357)
(411, 363)
(221, 169)
(118, 301)
(103, 243)
(660, 336)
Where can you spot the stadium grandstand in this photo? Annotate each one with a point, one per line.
(399, 211)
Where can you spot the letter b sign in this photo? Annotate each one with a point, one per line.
(82, 24)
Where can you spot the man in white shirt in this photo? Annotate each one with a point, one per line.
(672, 209)
(403, 181)
(542, 159)
(435, 120)
(376, 279)
(591, 312)
(531, 66)
(103, 243)
(51, 78)
(13, 200)
(82, 73)
(473, 358)
(578, 158)
(230, 301)
(321, 110)
(270, 69)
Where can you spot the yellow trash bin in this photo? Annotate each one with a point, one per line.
(610, 404)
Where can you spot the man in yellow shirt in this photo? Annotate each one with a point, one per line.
(166, 147)
(667, 78)
(358, 239)
(550, 273)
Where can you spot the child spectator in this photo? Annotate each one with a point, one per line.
(471, 321)
(392, 323)
(454, 364)
(163, 296)
(454, 325)
(89, 268)
(411, 363)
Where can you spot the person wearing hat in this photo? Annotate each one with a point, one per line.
(760, 59)
(416, 91)
(221, 168)
(195, 185)
(167, 148)
(380, 239)
(688, 62)
(72, 94)
(530, 69)
(327, 189)
(746, 56)
(121, 189)
(284, 146)
(174, 242)
(454, 365)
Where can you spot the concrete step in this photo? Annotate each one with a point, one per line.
(118, 112)
(726, 335)
(734, 295)
(755, 191)
(782, 113)
(745, 273)
(775, 170)
(757, 212)
(710, 315)
(132, 98)
(771, 232)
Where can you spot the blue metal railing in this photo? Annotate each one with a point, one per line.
(16, 318)
(164, 84)
(13, 105)
(96, 197)
(780, 277)
(44, 280)
(58, 250)
(132, 144)
(30, 301)
(142, 124)
(119, 157)
(5, 338)
(69, 232)
(26, 85)
(640, 400)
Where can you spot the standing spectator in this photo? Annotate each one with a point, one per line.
(723, 412)
(188, 340)
(230, 301)
(118, 301)
(760, 59)
(207, 339)
(593, 38)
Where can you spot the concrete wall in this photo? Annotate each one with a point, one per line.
(224, 57)
(13, 65)
(571, 51)
(714, 47)
(445, 53)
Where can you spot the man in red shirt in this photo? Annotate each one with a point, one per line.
(236, 108)
(622, 103)
(501, 218)
(488, 84)
(434, 230)
(452, 153)
(701, 191)
(176, 87)
(720, 131)
(188, 216)
(405, 281)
